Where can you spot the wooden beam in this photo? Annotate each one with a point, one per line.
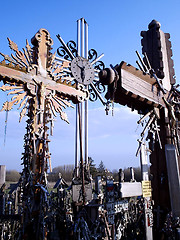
(136, 89)
(141, 85)
(73, 93)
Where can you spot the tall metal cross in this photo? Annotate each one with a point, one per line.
(85, 73)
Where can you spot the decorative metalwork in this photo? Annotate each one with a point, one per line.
(92, 54)
(67, 51)
(100, 87)
(61, 51)
(99, 65)
(93, 94)
(73, 48)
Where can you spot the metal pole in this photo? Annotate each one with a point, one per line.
(77, 143)
(81, 158)
(82, 37)
(77, 112)
(82, 104)
(86, 40)
(86, 102)
(78, 37)
(147, 200)
(82, 119)
(144, 164)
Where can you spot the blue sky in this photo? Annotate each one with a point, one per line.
(114, 29)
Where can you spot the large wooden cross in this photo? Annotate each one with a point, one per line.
(151, 92)
(42, 87)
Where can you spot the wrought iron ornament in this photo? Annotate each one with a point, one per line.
(69, 51)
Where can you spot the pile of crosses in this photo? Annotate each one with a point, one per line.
(43, 84)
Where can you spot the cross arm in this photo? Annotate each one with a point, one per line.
(135, 89)
(76, 94)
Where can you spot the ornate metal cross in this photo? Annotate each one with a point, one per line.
(82, 61)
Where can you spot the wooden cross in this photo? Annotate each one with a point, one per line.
(151, 92)
(42, 87)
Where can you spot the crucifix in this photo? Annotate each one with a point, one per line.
(152, 92)
(42, 86)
